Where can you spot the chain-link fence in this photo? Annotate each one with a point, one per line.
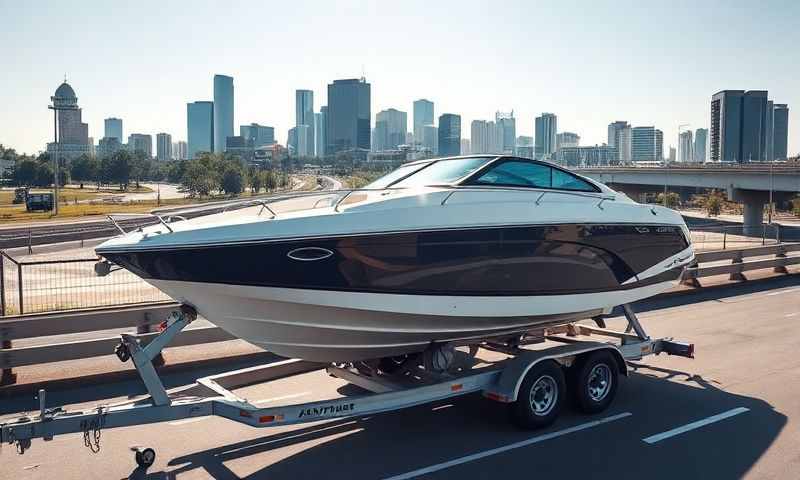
(35, 286)
(726, 237)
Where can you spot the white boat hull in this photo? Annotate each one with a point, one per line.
(329, 326)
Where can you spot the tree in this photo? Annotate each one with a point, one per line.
(198, 179)
(176, 170)
(25, 173)
(270, 182)
(117, 169)
(232, 180)
(673, 199)
(713, 204)
(256, 181)
(44, 175)
(84, 169)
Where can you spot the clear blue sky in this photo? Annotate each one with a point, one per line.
(651, 63)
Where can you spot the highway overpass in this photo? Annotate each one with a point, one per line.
(748, 184)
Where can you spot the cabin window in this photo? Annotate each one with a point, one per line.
(518, 173)
(567, 181)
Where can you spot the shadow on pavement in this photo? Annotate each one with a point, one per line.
(399, 442)
(718, 292)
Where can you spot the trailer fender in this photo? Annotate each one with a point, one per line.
(506, 388)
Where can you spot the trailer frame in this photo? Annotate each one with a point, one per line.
(212, 395)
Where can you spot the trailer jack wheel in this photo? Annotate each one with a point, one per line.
(145, 457)
(123, 352)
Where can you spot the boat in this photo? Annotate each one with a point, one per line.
(443, 251)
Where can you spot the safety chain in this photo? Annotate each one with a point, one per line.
(92, 430)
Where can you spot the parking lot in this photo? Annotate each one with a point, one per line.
(731, 412)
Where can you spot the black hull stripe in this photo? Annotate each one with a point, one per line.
(514, 261)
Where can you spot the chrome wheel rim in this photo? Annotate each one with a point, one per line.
(599, 382)
(543, 396)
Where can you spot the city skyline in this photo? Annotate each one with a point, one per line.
(661, 95)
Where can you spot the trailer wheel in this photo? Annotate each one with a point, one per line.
(540, 397)
(146, 457)
(593, 382)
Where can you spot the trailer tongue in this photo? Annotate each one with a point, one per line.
(528, 374)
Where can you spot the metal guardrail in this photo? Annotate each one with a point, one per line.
(739, 264)
(144, 317)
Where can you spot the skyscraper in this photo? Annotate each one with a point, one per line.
(430, 138)
(742, 126)
(199, 128)
(392, 133)
(73, 133)
(223, 111)
(113, 128)
(256, 135)
(449, 135)
(479, 136)
(379, 134)
(349, 116)
(647, 144)
(546, 129)
(304, 115)
(423, 115)
(466, 148)
(320, 127)
(507, 128)
(780, 131)
(623, 147)
(615, 130)
(685, 147)
(140, 142)
(163, 147)
(179, 150)
(700, 144)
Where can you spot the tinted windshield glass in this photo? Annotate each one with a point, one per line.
(394, 175)
(443, 171)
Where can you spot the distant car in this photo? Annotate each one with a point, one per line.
(39, 202)
(19, 195)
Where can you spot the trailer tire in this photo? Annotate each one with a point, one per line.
(146, 457)
(593, 381)
(540, 396)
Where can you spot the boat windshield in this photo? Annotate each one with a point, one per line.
(443, 171)
(395, 175)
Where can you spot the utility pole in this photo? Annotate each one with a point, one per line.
(55, 109)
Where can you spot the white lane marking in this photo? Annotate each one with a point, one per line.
(781, 292)
(694, 425)
(495, 451)
(188, 420)
(792, 314)
(284, 397)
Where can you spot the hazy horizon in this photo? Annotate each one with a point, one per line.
(589, 64)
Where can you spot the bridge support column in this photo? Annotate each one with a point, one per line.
(753, 218)
(753, 210)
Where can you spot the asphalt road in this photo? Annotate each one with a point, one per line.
(743, 389)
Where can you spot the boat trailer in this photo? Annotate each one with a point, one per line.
(530, 381)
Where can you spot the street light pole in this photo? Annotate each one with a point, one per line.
(55, 158)
(769, 215)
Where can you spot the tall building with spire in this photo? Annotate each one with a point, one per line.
(73, 134)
